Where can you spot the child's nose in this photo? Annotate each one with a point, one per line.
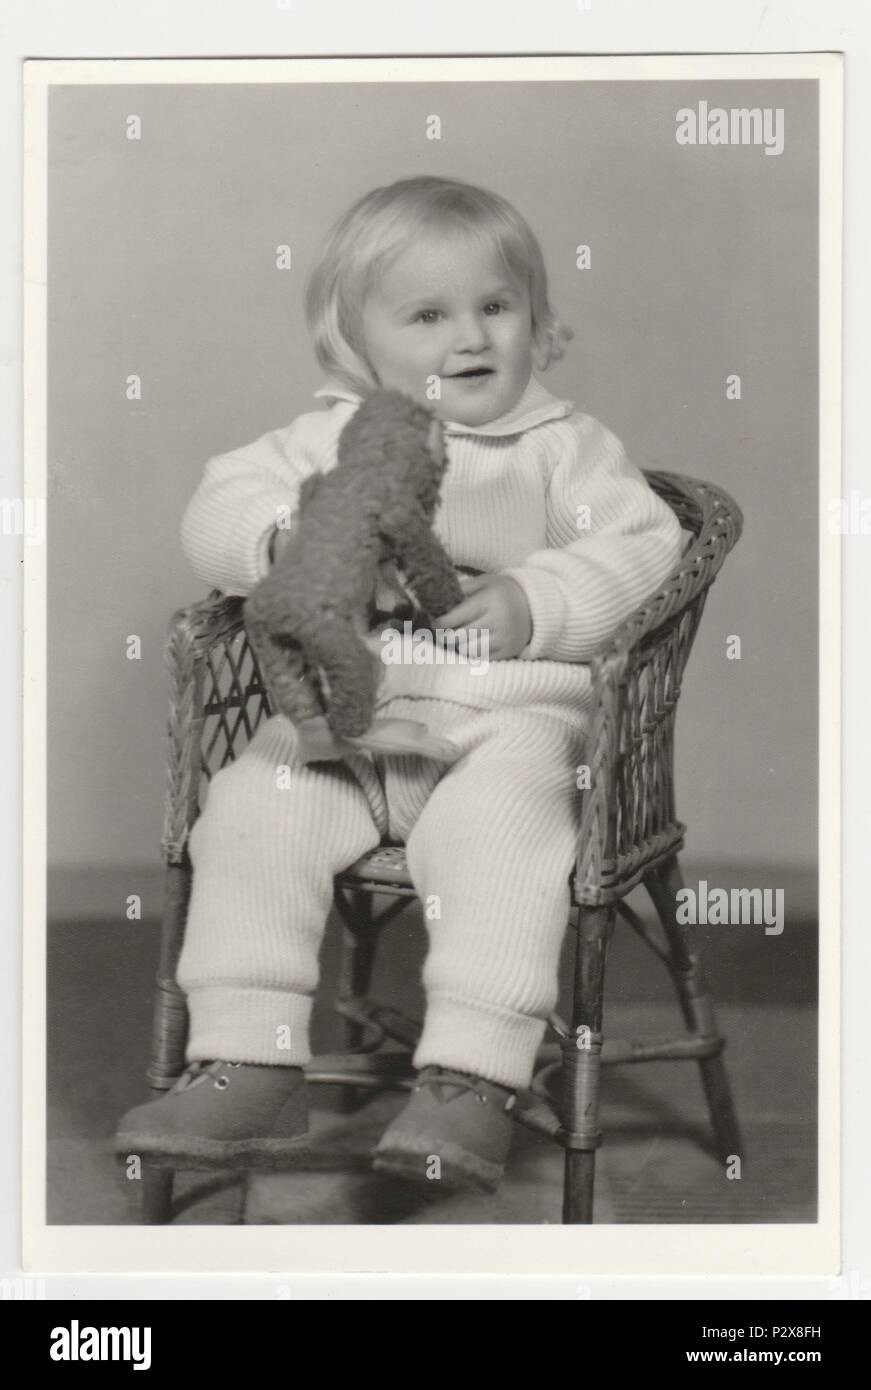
(471, 334)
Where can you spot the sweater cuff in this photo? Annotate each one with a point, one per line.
(258, 522)
(547, 610)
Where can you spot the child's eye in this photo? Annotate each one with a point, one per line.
(420, 316)
(496, 304)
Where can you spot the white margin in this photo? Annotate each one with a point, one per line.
(768, 1249)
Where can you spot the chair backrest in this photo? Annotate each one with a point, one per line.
(628, 817)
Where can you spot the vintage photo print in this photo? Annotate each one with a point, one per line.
(432, 526)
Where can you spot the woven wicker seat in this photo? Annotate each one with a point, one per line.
(629, 834)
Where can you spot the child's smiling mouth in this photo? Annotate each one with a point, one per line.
(472, 374)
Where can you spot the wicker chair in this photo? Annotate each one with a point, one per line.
(629, 834)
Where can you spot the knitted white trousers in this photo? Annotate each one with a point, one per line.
(490, 842)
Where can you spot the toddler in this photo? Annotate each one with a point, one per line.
(436, 288)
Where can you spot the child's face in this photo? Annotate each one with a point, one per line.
(445, 307)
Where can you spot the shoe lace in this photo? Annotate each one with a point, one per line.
(195, 1073)
(448, 1085)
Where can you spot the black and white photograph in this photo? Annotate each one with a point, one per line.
(431, 542)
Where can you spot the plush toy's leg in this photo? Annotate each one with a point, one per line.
(352, 674)
(429, 572)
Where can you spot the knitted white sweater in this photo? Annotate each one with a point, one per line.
(544, 494)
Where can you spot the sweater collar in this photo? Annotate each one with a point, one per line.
(534, 407)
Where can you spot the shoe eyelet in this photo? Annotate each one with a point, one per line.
(221, 1083)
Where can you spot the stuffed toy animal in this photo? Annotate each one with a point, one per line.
(308, 619)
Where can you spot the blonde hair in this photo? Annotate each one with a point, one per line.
(378, 228)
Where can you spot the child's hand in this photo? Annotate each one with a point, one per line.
(495, 603)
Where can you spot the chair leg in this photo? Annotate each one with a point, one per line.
(156, 1195)
(359, 942)
(169, 1031)
(582, 1064)
(170, 1020)
(356, 964)
(696, 1004)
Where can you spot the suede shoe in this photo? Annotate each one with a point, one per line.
(223, 1114)
(462, 1121)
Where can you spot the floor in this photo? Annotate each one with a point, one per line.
(655, 1165)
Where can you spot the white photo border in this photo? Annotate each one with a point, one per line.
(764, 1249)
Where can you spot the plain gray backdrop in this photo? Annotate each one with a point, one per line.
(162, 263)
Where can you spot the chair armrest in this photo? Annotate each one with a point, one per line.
(717, 521)
(627, 812)
(208, 621)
